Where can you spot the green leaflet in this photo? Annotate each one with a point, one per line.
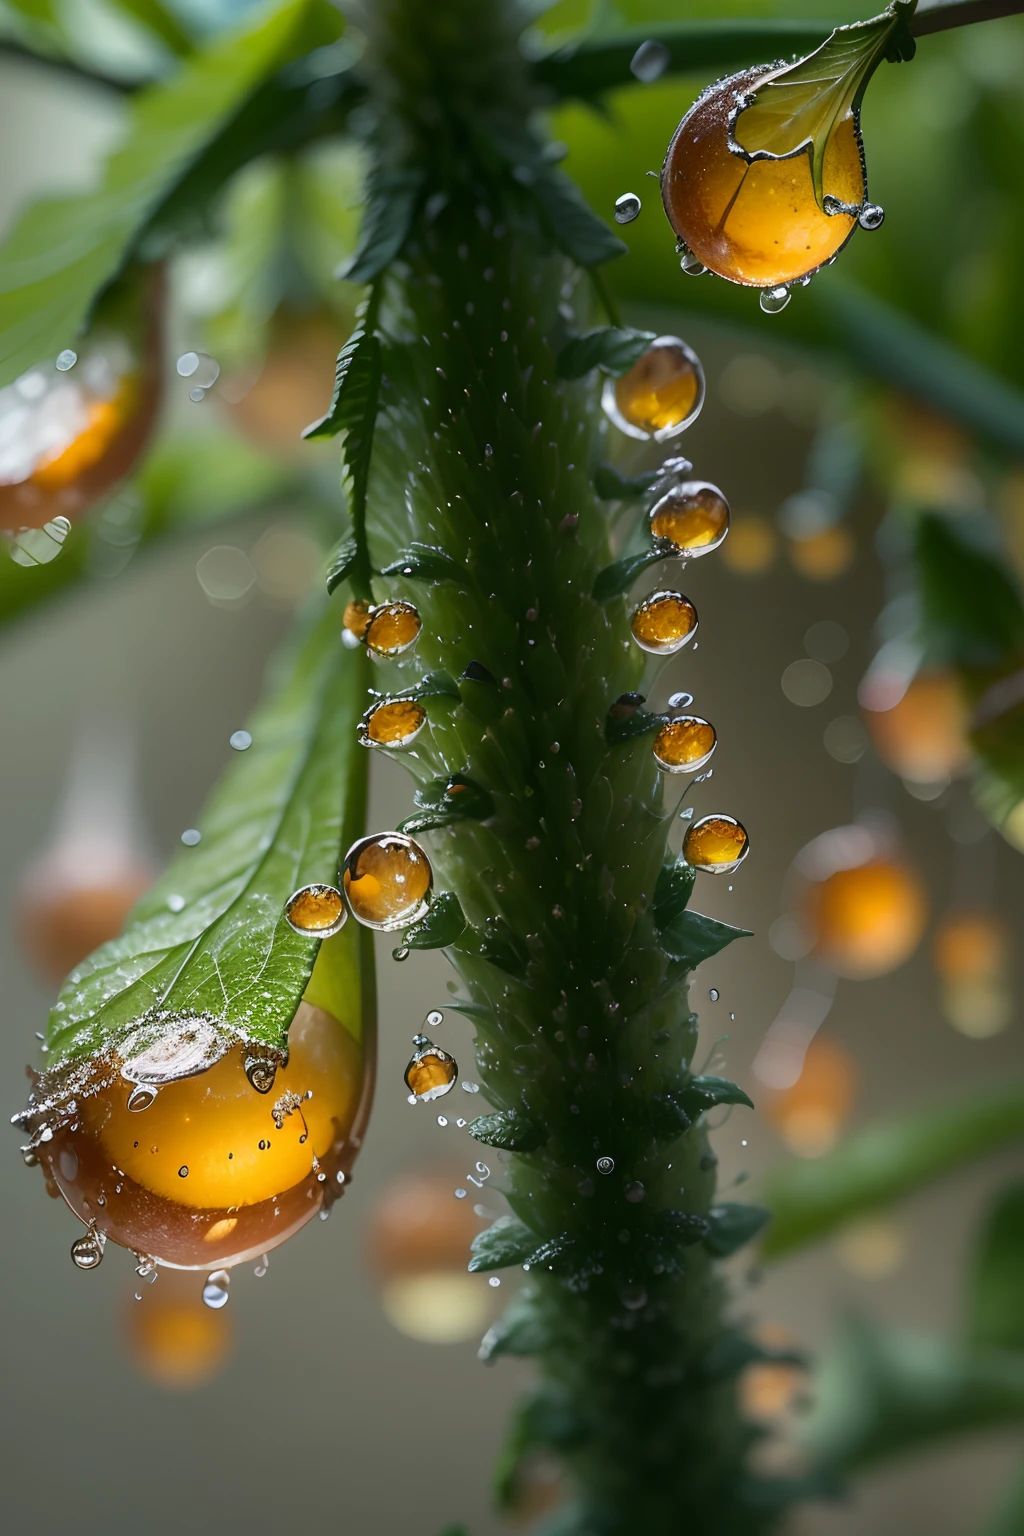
(424, 562)
(613, 349)
(705, 1092)
(672, 892)
(62, 252)
(610, 485)
(210, 937)
(444, 801)
(443, 925)
(506, 1241)
(387, 222)
(692, 937)
(510, 1130)
(878, 1165)
(340, 562)
(800, 107)
(732, 1226)
(615, 580)
(995, 1313)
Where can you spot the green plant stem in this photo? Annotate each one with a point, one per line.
(942, 15)
(584, 1029)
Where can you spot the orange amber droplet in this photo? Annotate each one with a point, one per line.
(317, 910)
(756, 223)
(718, 844)
(694, 517)
(431, 1072)
(356, 617)
(387, 881)
(392, 723)
(684, 745)
(393, 628)
(660, 395)
(663, 623)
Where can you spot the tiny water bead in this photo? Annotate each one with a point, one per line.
(241, 741)
(87, 1251)
(774, 300)
(605, 1165)
(217, 1289)
(694, 517)
(756, 222)
(871, 216)
(202, 369)
(387, 881)
(393, 629)
(66, 360)
(717, 843)
(714, 994)
(661, 395)
(684, 745)
(393, 723)
(663, 623)
(626, 208)
(649, 62)
(191, 837)
(431, 1072)
(317, 910)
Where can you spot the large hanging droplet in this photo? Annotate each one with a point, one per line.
(393, 628)
(87, 1251)
(392, 723)
(663, 623)
(387, 881)
(316, 910)
(660, 395)
(717, 844)
(694, 517)
(684, 745)
(431, 1072)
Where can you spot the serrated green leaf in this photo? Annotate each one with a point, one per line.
(799, 108)
(811, 1198)
(705, 1092)
(692, 937)
(211, 937)
(443, 925)
(613, 349)
(995, 1311)
(424, 562)
(615, 580)
(444, 801)
(510, 1130)
(609, 485)
(672, 892)
(434, 685)
(506, 1241)
(64, 251)
(732, 1226)
(392, 201)
(340, 562)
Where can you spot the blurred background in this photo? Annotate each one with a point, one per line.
(341, 1384)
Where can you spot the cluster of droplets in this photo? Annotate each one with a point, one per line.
(386, 883)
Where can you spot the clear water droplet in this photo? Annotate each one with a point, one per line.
(460, 1194)
(626, 208)
(191, 837)
(435, 1018)
(442, 1120)
(471, 1087)
(240, 740)
(66, 359)
(183, 1171)
(871, 216)
(262, 1267)
(175, 903)
(605, 1165)
(714, 994)
(649, 62)
(200, 367)
(196, 395)
(87, 1250)
(141, 1097)
(494, 1281)
(215, 1291)
(261, 1072)
(774, 300)
(692, 265)
(680, 700)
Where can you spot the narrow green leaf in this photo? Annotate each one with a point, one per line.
(809, 1199)
(443, 925)
(692, 937)
(799, 108)
(424, 562)
(387, 223)
(510, 1130)
(63, 252)
(705, 1092)
(672, 892)
(996, 1295)
(972, 612)
(506, 1241)
(340, 562)
(733, 1226)
(613, 349)
(615, 580)
(211, 938)
(444, 801)
(610, 485)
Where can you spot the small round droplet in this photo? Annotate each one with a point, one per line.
(435, 1018)
(401, 953)
(714, 994)
(200, 367)
(196, 394)
(183, 1171)
(871, 216)
(431, 1072)
(663, 623)
(442, 1121)
(316, 911)
(191, 837)
(141, 1097)
(605, 1165)
(175, 903)
(692, 265)
(717, 844)
(215, 1291)
(66, 359)
(774, 300)
(387, 881)
(684, 745)
(626, 208)
(240, 740)
(694, 518)
(87, 1251)
(680, 700)
(393, 723)
(661, 395)
(471, 1087)
(460, 1194)
(649, 62)
(261, 1072)
(494, 1281)
(393, 629)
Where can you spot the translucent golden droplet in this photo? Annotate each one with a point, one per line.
(431, 1072)
(694, 517)
(392, 723)
(757, 224)
(718, 844)
(685, 744)
(664, 622)
(356, 618)
(393, 628)
(660, 395)
(316, 909)
(387, 881)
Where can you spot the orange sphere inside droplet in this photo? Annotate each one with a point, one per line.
(663, 622)
(755, 223)
(869, 919)
(315, 908)
(662, 390)
(923, 737)
(395, 722)
(430, 1074)
(716, 843)
(684, 745)
(387, 881)
(393, 628)
(356, 617)
(695, 518)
